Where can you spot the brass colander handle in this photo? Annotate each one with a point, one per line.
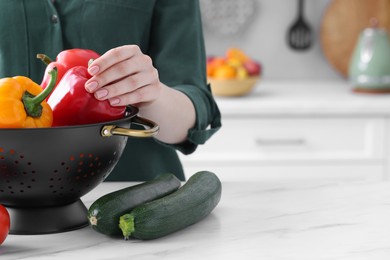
(150, 131)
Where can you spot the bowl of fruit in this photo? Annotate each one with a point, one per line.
(235, 74)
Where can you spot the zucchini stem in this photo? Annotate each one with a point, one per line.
(126, 224)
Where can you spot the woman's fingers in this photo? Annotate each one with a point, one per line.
(112, 57)
(140, 96)
(128, 84)
(118, 71)
(124, 76)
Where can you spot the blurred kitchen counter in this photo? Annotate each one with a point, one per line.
(305, 98)
(273, 219)
(300, 129)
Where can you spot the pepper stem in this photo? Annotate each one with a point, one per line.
(32, 104)
(126, 224)
(44, 58)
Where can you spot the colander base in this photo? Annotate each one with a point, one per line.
(46, 220)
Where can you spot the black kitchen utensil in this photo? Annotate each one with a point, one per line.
(299, 35)
(45, 171)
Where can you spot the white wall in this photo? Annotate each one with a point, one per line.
(265, 40)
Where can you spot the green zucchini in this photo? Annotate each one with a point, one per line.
(104, 213)
(184, 207)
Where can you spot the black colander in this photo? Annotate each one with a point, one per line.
(45, 171)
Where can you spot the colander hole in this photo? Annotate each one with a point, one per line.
(96, 158)
(60, 179)
(85, 175)
(22, 191)
(55, 171)
(10, 187)
(12, 192)
(81, 155)
(1, 190)
(12, 151)
(21, 156)
(71, 158)
(2, 157)
(54, 191)
(29, 187)
(7, 181)
(78, 170)
(61, 188)
(22, 183)
(29, 163)
(81, 163)
(51, 179)
(24, 173)
(32, 171)
(33, 180)
(16, 162)
(51, 186)
(90, 155)
(62, 163)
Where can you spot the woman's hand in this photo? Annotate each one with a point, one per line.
(124, 76)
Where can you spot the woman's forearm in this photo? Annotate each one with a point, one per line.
(174, 112)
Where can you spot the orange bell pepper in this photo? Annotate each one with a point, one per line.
(22, 102)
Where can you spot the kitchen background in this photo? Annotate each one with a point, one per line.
(303, 119)
(263, 37)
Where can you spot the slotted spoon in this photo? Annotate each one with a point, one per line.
(300, 34)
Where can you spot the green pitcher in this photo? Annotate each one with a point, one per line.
(369, 68)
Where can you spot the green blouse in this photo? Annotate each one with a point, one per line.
(169, 31)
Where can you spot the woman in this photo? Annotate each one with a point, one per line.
(153, 58)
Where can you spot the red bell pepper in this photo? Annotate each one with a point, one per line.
(73, 105)
(66, 60)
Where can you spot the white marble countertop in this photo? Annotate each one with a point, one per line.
(301, 219)
(305, 98)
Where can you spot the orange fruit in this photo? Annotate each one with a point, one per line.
(237, 54)
(225, 72)
(210, 71)
(213, 64)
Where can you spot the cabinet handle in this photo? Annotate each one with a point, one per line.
(277, 142)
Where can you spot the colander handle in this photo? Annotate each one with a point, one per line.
(151, 129)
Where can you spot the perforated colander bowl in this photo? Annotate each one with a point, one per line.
(45, 171)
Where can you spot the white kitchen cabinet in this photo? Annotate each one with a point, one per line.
(299, 130)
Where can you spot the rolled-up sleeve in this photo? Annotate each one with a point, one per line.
(178, 52)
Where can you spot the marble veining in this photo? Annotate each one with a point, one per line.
(310, 219)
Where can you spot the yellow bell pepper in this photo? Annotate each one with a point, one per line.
(22, 102)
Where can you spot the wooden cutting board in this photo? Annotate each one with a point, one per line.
(342, 22)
